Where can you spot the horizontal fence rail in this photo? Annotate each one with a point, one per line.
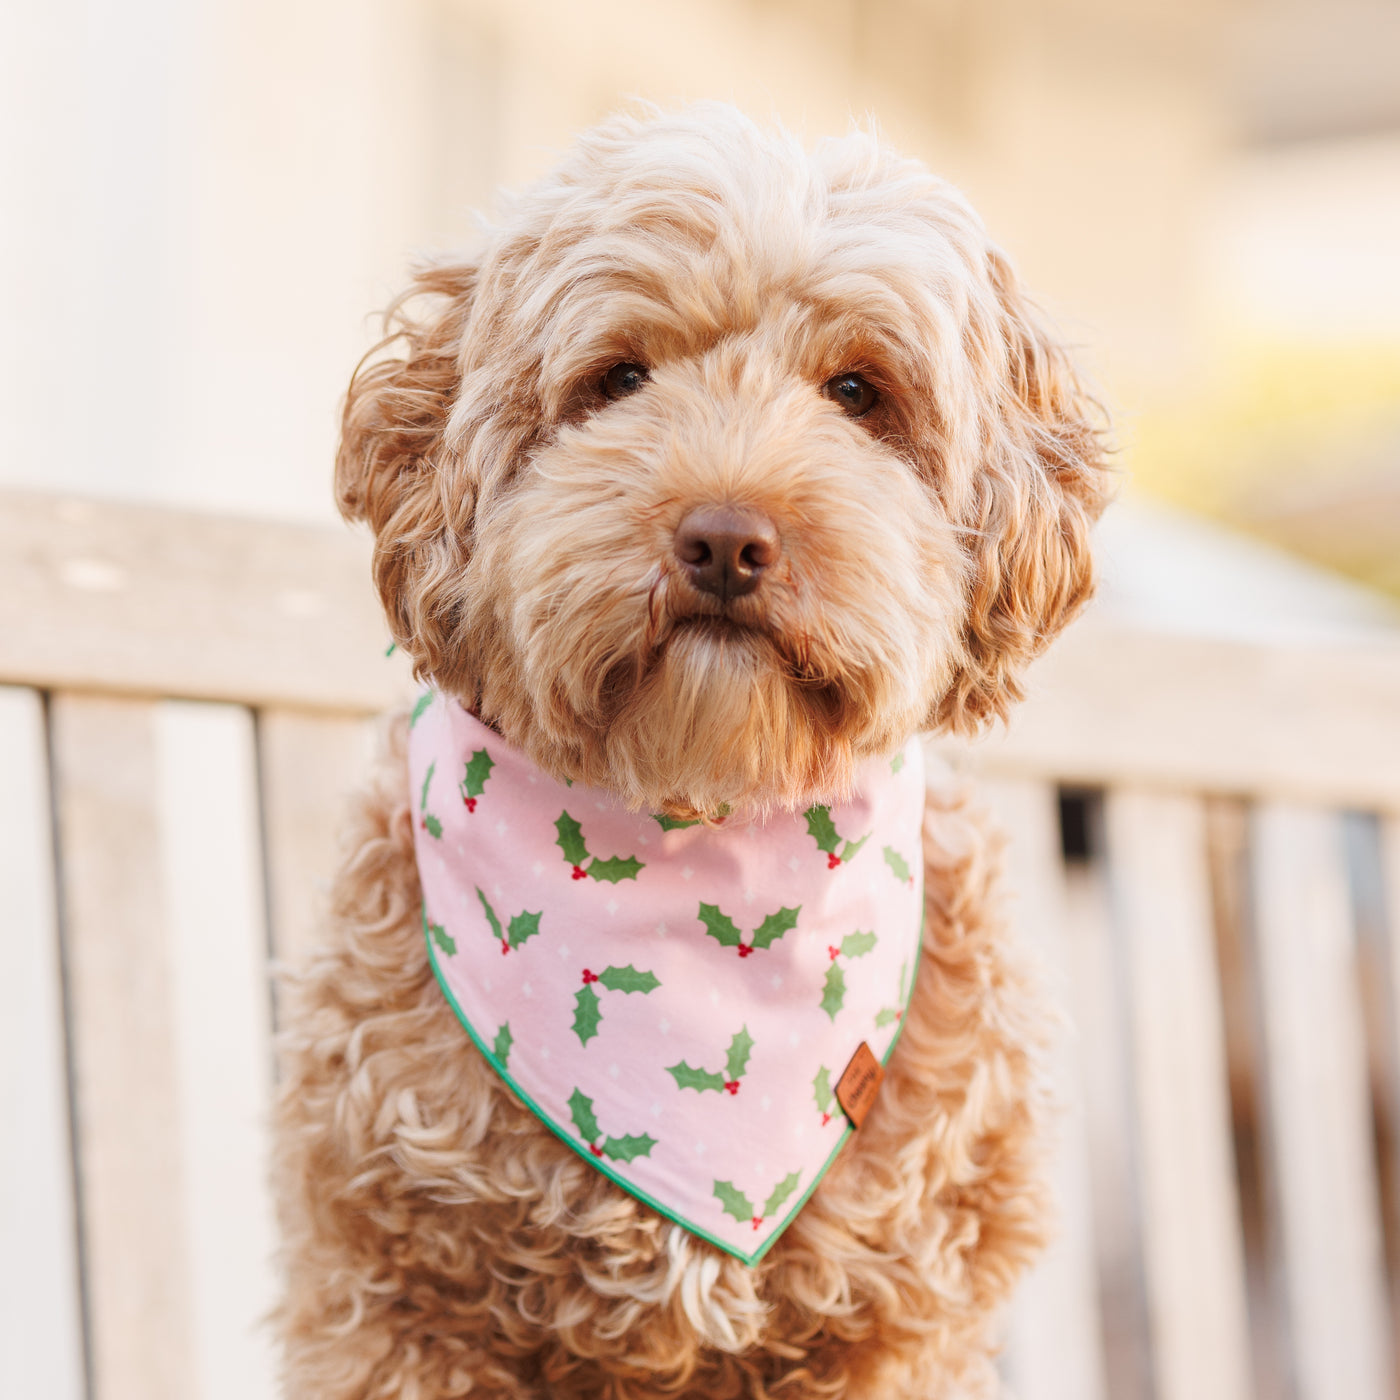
(1204, 854)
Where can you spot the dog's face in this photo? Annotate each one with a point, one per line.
(724, 466)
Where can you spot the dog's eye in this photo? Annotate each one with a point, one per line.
(624, 379)
(854, 395)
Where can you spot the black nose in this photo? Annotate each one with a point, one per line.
(725, 550)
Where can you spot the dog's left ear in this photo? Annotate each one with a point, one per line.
(1038, 489)
(393, 469)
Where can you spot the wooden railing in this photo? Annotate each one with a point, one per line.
(1205, 848)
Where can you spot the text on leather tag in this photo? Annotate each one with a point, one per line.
(859, 1084)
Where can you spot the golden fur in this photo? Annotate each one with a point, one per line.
(440, 1242)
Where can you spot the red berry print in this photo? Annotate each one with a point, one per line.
(505, 947)
(471, 803)
(826, 1118)
(757, 1221)
(732, 1085)
(745, 949)
(832, 953)
(579, 873)
(589, 977)
(595, 1149)
(832, 860)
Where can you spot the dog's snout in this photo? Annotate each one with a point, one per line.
(725, 550)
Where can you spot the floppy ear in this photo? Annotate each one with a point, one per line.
(1042, 484)
(393, 470)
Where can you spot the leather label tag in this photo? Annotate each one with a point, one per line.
(859, 1084)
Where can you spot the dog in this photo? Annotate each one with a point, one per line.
(720, 469)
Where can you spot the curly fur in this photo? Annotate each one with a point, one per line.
(440, 1242)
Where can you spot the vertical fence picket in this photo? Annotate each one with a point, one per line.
(1193, 1261)
(310, 763)
(1318, 1106)
(41, 1334)
(124, 1048)
(1054, 1348)
(221, 1021)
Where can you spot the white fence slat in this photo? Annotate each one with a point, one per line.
(41, 1332)
(1319, 1106)
(221, 1018)
(1054, 1350)
(1192, 1248)
(124, 1048)
(310, 765)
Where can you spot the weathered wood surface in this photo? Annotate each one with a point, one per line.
(1109, 706)
(1192, 1249)
(310, 764)
(221, 1024)
(1319, 1115)
(171, 1032)
(125, 1050)
(41, 1331)
(1054, 1340)
(141, 600)
(138, 600)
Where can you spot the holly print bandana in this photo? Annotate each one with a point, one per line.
(676, 1001)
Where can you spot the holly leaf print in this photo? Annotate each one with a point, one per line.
(628, 979)
(857, 945)
(586, 1014)
(624, 1149)
(898, 864)
(733, 1201)
(897, 762)
(430, 823)
(522, 926)
(739, 1047)
(504, 1040)
(821, 1089)
(570, 839)
(834, 991)
(781, 1192)
(439, 935)
(615, 868)
(849, 852)
(478, 769)
(822, 829)
(886, 1017)
(774, 926)
(490, 915)
(720, 926)
(420, 705)
(673, 823)
(581, 1111)
(698, 1079)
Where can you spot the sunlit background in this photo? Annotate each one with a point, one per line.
(215, 195)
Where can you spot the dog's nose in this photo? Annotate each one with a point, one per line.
(724, 550)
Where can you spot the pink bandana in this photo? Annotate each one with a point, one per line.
(677, 1002)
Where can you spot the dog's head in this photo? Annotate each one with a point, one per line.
(724, 466)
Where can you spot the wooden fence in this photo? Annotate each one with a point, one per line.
(1205, 849)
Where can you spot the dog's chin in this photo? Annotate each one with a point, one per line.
(725, 716)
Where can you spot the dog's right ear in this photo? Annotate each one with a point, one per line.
(393, 469)
(397, 407)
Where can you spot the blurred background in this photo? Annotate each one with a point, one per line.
(205, 201)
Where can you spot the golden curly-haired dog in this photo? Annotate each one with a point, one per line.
(822, 356)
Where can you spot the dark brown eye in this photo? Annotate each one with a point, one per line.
(624, 379)
(855, 396)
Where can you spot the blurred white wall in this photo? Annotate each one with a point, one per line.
(205, 201)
